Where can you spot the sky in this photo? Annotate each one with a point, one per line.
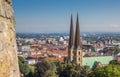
(49, 16)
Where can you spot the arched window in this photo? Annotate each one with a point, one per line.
(79, 59)
(79, 53)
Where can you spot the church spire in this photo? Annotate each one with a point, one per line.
(71, 36)
(77, 34)
(75, 49)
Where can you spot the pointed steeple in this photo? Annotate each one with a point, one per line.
(77, 34)
(71, 36)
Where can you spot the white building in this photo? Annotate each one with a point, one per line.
(30, 61)
(25, 48)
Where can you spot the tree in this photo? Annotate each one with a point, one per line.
(65, 59)
(70, 70)
(86, 70)
(30, 74)
(109, 71)
(114, 62)
(60, 67)
(21, 59)
(116, 49)
(41, 68)
(96, 66)
(24, 68)
(46, 69)
(106, 71)
(52, 71)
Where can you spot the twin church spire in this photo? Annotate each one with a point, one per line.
(71, 37)
(77, 34)
(74, 48)
(75, 42)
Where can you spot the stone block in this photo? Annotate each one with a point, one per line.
(2, 9)
(1, 46)
(3, 26)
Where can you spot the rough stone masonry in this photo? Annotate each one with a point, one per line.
(8, 48)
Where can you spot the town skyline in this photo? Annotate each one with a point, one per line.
(46, 16)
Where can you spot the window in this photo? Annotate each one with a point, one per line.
(79, 59)
(79, 52)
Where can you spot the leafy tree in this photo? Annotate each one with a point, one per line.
(52, 71)
(24, 68)
(114, 62)
(46, 69)
(116, 49)
(41, 68)
(65, 59)
(30, 74)
(70, 70)
(21, 59)
(86, 70)
(109, 71)
(60, 67)
(96, 66)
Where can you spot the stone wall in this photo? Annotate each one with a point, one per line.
(8, 48)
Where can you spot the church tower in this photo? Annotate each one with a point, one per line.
(77, 45)
(71, 41)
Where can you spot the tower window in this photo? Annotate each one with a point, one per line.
(79, 59)
(79, 53)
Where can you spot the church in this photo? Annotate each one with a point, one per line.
(75, 46)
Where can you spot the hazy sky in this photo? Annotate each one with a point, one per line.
(54, 15)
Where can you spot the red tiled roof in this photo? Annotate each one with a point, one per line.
(36, 55)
